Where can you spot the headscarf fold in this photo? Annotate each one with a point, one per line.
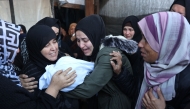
(186, 4)
(9, 42)
(168, 34)
(133, 20)
(93, 27)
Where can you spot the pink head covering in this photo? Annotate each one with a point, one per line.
(168, 34)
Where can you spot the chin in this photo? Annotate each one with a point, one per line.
(87, 54)
(53, 59)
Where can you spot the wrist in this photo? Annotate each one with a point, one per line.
(52, 91)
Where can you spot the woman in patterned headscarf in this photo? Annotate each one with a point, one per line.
(165, 50)
(9, 34)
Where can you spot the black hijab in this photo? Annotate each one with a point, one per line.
(93, 27)
(23, 28)
(133, 20)
(135, 59)
(50, 22)
(37, 38)
(186, 4)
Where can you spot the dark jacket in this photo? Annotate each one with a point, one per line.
(130, 85)
(15, 97)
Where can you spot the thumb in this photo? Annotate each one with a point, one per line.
(160, 95)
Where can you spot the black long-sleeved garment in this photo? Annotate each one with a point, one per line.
(15, 97)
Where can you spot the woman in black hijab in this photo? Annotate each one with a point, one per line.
(182, 7)
(23, 29)
(55, 24)
(22, 57)
(135, 59)
(89, 33)
(43, 50)
(12, 95)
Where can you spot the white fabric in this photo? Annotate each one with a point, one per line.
(81, 67)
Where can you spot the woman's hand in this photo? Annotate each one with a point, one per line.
(28, 83)
(116, 62)
(60, 80)
(151, 102)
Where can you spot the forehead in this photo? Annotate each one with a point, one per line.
(55, 28)
(178, 7)
(80, 34)
(128, 27)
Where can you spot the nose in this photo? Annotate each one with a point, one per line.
(53, 46)
(80, 44)
(127, 31)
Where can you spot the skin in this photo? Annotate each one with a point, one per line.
(71, 30)
(50, 51)
(59, 80)
(128, 32)
(63, 32)
(21, 31)
(151, 102)
(148, 54)
(56, 30)
(29, 83)
(179, 9)
(84, 43)
(117, 57)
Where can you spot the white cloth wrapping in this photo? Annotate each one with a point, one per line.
(81, 67)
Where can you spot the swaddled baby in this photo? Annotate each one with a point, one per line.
(81, 67)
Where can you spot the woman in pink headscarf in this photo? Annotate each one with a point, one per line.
(165, 50)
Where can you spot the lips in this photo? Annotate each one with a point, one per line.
(85, 50)
(142, 53)
(53, 54)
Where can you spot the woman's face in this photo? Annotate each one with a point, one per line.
(128, 32)
(179, 9)
(50, 51)
(71, 30)
(56, 30)
(84, 43)
(148, 54)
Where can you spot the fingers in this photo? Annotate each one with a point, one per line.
(58, 72)
(113, 64)
(30, 85)
(23, 76)
(65, 72)
(146, 96)
(150, 94)
(115, 54)
(160, 95)
(71, 76)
